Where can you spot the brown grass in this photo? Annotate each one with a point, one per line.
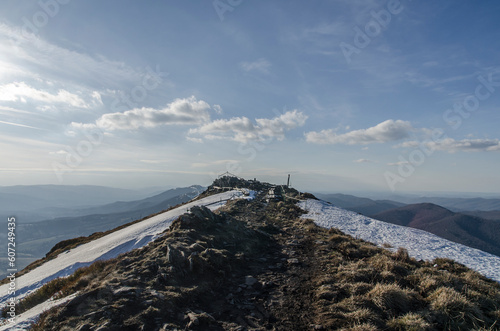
(392, 299)
(454, 310)
(409, 322)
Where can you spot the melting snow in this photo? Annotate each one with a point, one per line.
(420, 244)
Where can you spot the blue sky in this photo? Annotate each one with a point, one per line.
(344, 95)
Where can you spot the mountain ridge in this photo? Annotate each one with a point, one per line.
(258, 263)
(254, 264)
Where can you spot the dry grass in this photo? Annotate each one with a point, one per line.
(402, 255)
(409, 322)
(392, 299)
(454, 310)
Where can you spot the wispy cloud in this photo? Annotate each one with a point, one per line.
(451, 145)
(20, 91)
(397, 163)
(48, 59)
(261, 65)
(386, 131)
(363, 161)
(20, 125)
(209, 164)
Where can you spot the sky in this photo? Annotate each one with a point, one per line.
(344, 95)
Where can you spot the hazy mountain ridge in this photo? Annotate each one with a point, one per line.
(493, 215)
(32, 203)
(454, 204)
(360, 205)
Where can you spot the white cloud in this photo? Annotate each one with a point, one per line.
(179, 112)
(363, 161)
(451, 145)
(243, 130)
(18, 91)
(386, 131)
(261, 65)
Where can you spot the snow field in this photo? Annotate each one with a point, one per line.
(420, 244)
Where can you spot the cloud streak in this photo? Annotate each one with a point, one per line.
(386, 131)
(451, 145)
(261, 65)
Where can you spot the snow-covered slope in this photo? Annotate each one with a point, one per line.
(110, 246)
(420, 244)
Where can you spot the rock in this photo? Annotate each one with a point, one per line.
(293, 261)
(250, 280)
(202, 212)
(172, 255)
(193, 319)
(202, 320)
(193, 261)
(125, 291)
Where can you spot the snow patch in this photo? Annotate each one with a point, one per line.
(420, 244)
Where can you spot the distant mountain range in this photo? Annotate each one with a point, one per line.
(461, 228)
(489, 215)
(363, 206)
(454, 204)
(35, 239)
(33, 203)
